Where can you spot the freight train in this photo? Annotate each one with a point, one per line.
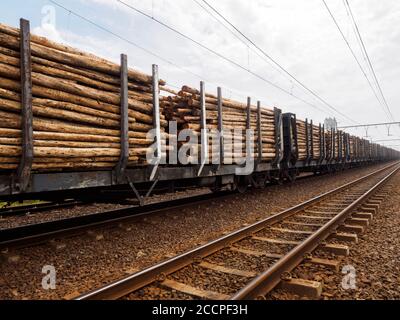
(73, 141)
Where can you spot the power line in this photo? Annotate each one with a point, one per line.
(353, 27)
(369, 60)
(220, 55)
(370, 125)
(381, 99)
(216, 19)
(276, 63)
(352, 52)
(357, 38)
(141, 48)
(237, 37)
(242, 41)
(385, 140)
(124, 39)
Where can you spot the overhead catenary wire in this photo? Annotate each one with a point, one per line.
(381, 98)
(143, 48)
(368, 59)
(370, 125)
(123, 38)
(278, 64)
(243, 42)
(353, 54)
(238, 37)
(355, 34)
(238, 65)
(366, 55)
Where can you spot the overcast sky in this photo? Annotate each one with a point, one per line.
(300, 35)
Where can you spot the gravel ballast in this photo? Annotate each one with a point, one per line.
(87, 209)
(374, 260)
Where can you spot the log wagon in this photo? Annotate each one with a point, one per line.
(74, 125)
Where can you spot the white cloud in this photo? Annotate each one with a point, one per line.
(49, 31)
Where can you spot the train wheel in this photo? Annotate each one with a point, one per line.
(282, 177)
(292, 175)
(259, 181)
(216, 187)
(241, 183)
(275, 181)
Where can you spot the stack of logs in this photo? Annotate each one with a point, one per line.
(76, 107)
(313, 143)
(343, 143)
(316, 142)
(328, 143)
(301, 140)
(185, 109)
(352, 144)
(337, 137)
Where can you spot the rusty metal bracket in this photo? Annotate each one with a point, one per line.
(249, 142)
(248, 127)
(203, 126)
(307, 142)
(259, 134)
(248, 113)
(120, 169)
(311, 140)
(279, 144)
(321, 143)
(333, 144)
(296, 141)
(156, 121)
(25, 165)
(221, 128)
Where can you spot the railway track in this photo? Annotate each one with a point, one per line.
(34, 234)
(36, 208)
(252, 261)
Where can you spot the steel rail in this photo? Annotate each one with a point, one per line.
(39, 207)
(158, 272)
(268, 280)
(42, 232)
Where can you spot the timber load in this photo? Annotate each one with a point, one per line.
(316, 141)
(301, 140)
(329, 145)
(76, 107)
(308, 140)
(185, 108)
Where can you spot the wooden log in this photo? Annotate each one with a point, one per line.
(74, 144)
(226, 102)
(57, 152)
(53, 70)
(49, 50)
(11, 133)
(72, 88)
(38, 102)
(60, 161)
(39, 91)
(13, 121)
